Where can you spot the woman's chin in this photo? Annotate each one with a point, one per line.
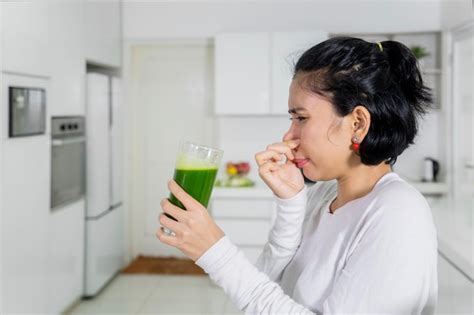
(308, 175)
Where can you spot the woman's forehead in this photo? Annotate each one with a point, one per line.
(301, 100)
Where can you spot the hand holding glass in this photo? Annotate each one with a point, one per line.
(196, 171)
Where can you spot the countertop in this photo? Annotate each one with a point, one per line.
(260, 190)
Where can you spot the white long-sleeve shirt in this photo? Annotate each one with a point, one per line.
(376, 254)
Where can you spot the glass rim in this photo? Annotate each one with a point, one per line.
(184, 142)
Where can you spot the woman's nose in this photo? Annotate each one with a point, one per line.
(289, 136)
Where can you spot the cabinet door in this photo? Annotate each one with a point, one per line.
(66, 20)
(242, 73)
(287, 47)
(245, 232)
(242, 208)
(98, 144)
(103, 32)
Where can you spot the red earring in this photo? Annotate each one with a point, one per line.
(355, 144)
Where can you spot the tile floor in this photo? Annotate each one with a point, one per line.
(158, 294)
(166, 294)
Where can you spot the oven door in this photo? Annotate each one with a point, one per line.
(67, 171)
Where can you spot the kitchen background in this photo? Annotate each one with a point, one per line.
(96, 96)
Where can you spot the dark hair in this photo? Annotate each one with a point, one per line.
(385, 80)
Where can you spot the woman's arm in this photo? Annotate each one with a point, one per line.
(250, 289)
(285, 235)
(197, 235)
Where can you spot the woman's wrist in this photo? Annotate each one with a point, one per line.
(217, 255)
(300, 195)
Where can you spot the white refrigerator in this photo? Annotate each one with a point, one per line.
(104, 247)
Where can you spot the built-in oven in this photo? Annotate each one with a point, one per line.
(68, 160)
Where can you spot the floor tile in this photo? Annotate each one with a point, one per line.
(130, 287)
(185, 295)
(188, 305)
(231, 309)
(100, 306)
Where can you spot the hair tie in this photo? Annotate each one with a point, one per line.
(380, 46)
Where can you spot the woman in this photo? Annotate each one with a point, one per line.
(361, 240)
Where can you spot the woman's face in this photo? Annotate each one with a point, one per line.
(325, 138)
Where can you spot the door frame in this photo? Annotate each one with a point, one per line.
(457, 33)
(131, 248)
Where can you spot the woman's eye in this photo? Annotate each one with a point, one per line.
(299, 118)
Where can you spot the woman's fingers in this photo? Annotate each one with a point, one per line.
(170, 224)
(176, 212)
(285, 148)
(267, 156)
(167, 239)
(269, 167)
(274, 152)
(189, 202)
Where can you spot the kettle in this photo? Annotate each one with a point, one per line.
(431, 170)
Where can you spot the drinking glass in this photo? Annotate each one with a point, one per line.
(195, 171)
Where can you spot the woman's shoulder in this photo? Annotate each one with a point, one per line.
(391, 192)
(397, 202)
(395, 191)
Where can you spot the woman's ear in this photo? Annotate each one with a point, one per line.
(360, 121)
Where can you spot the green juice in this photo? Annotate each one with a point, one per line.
(196, 182)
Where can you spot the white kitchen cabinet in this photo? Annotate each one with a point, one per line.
(242, 208)
(253, 71)
(246, 221)
(25, 210)
(66, 50)
(25, 225)
(42, 252)
(103, 32)
(242, 73)
(26, 37)
(245, 232)
(46, 38)
(286, 49)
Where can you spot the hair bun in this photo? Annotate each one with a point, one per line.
(407, 75)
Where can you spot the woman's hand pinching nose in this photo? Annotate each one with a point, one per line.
(281, 176)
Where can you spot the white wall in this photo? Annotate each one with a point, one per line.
(455, 13)
(146, 20)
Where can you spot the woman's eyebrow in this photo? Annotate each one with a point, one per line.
(296, 110)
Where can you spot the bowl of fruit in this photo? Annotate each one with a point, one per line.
(236, 175)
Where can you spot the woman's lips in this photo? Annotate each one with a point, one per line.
(300, 163)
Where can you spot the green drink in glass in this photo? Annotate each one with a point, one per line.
(196, 171)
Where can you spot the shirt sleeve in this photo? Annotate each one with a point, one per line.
(285, 235)
(250, 289)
